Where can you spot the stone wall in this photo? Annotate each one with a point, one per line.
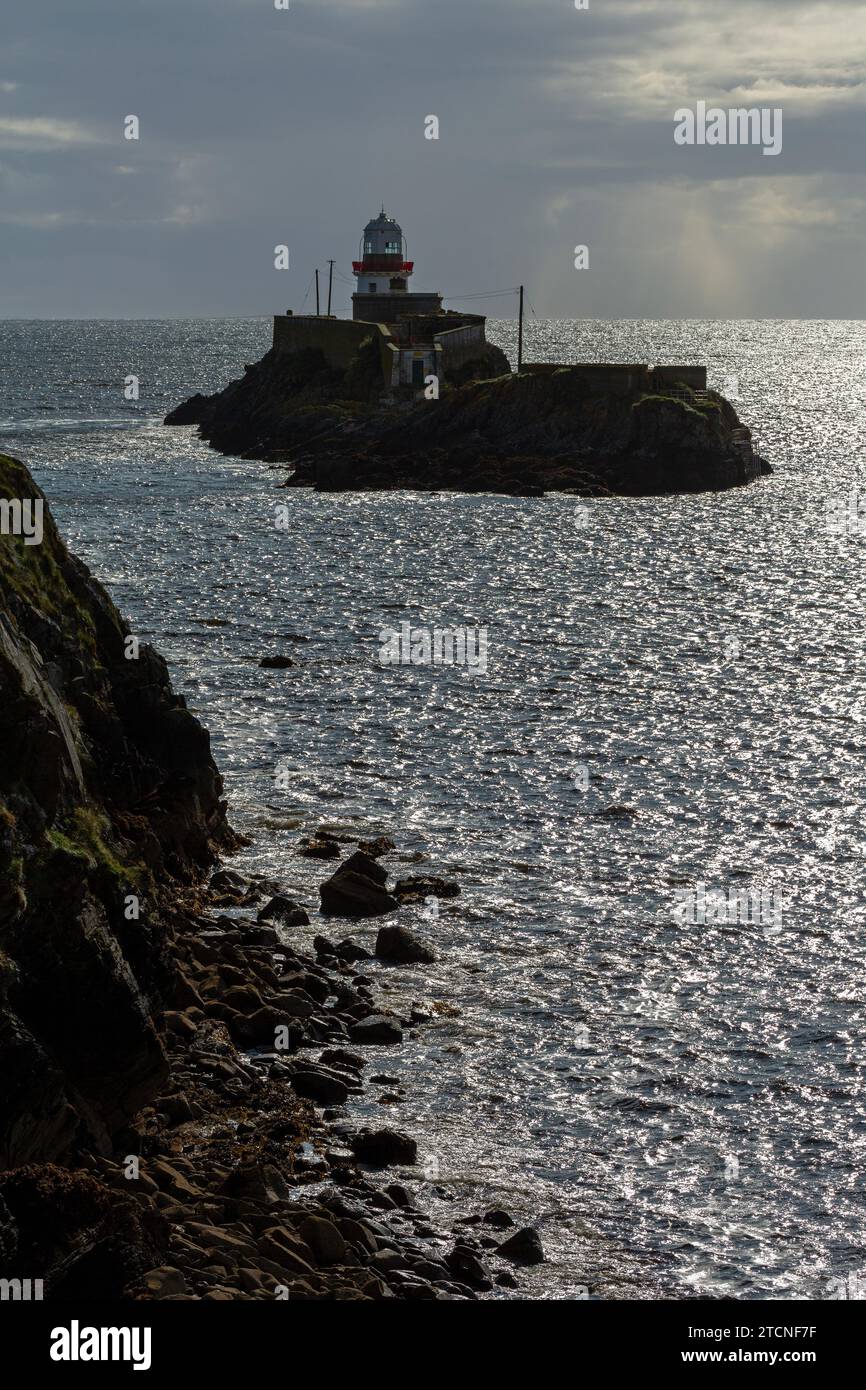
(460, 345)
(387, 308)
(695, 377)
(337, 339)
(625, 378)
(617, 378)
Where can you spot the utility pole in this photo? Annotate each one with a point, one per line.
(520, 333)
(330, 283)
(317, 291)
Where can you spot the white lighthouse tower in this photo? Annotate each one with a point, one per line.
(383, 274)
(383, 267)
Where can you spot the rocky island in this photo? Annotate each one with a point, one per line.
(176, 1066)
(591, 430)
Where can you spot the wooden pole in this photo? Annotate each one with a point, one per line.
(330, 283)
(317, 291)
(520, 333)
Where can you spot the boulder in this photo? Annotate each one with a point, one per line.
(260, 1183)
(425, 886)
(381, 1147)
(319, 1085)
(351, 894)
(242, 999)
(524, 1247)
(338, 1057)
(324, 1239)
(294, 1003)
(284, 910)
(261, 1027)
(498, 1218)
(465, 1264)
(364, 864)
(403, 947)
(227, 881)
(376, 1028)
(349, 951)
(319, 849)
(376, 848)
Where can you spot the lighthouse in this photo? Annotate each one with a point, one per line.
(382, 275)
(383, 267)
(416, 342)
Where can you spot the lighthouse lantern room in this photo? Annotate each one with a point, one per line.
(383, 273)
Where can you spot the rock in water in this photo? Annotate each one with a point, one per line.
(524, 1247)
(285, 910)
(498, 1218)
(381, 1147)
(361, 863)
(400, 945)
(377, 1028)
(425, 886)
(376, 848)
(350, 894)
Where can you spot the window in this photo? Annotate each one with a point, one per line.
(368, 248)
(392, 248)
(371, 286)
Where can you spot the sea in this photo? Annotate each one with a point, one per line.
(647, 1033)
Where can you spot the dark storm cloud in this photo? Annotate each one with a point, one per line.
(261, 126)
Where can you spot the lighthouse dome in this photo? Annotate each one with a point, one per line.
(383, 222)
(383, 237)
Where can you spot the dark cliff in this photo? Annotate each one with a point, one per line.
(109, 801)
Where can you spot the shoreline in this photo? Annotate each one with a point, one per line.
(173, 1076)
(301, 1203)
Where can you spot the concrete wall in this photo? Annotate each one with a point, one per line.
(696, 377)
(337, 339)
(619, 378)
(460, 345)
(624, 378)
(386, 308)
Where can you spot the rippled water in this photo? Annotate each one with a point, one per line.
(681, 1107)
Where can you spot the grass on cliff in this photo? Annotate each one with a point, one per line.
(83, 835)
(34, 572)
(693, 409)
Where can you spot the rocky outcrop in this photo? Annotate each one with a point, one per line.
(558, 430)
(108, 797)
(524, 435)
(357, 889)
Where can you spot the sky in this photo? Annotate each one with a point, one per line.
(261, 127)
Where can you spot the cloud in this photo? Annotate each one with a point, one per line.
(32, 133)
(261, 127)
